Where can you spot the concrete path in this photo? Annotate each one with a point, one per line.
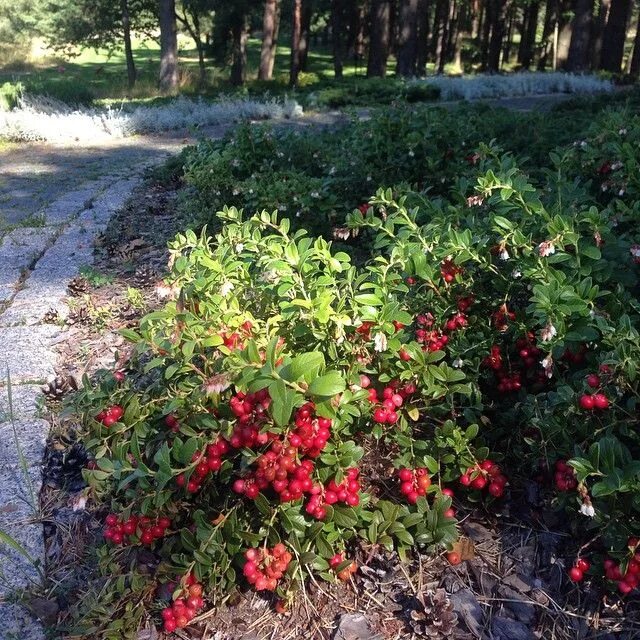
(54, 200)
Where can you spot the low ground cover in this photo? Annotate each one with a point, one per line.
(301, 415)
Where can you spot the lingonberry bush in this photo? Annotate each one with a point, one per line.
(287, 405)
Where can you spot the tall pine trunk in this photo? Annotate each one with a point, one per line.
(128, 51)
(422, 51)
(379, 38)
(498, 15)
(305, 33)
(564, 33)
(296, 28)
(337, 35)
(634, 68)
(597, 31)
(578, 59)
(614, 36)
(270, 26)
(550, 19)
(239, 37)
(489, 7)
(408, 36)
(528, 42)
(168, 46)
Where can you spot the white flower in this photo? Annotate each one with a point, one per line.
(216, 384)
(620, 193)
(504, 254)
(236, 192)
(635, 250)
(516, 273)
(548, 333)
(369, 178)
(411, 153)
(547, 365)
(546, 249)
(622, 132)
(332, 171)
(235, 162)
(226, 288)
(587, 510)
(315, 194)
(380, 341)
(239, 247)
(457, 363)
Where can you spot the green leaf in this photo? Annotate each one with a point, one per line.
(306, 366)
(327, 385)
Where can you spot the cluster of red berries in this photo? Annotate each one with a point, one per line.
(485, 475)
(311, 433)
(264, 568)
(414, 483)
(455, 322)
(278, 468)
(110, 415)
(348, 492)
(502, 317)
(172, 422)
(580, 567)
(207, 463)
(564, 477)
(431, 339)
(345, 573)
(512, 379)
(393, 397)
(184, 609)
(146, 530)
(597, 401)
(630, 579)
(449, 270)
(250, 411)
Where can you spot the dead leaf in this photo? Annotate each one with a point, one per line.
(465, 548)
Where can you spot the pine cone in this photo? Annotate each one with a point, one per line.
(51, 317)
(78, 286)
(79, 315)
(146, 276)
(432, 615)
(58, 387)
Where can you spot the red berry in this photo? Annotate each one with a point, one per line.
(593, 381)
(111, 520)
(582, 564)
(575, 574)
(365, 381)
(600, 401)
(454, 558)
(170, 625)
(586, 402)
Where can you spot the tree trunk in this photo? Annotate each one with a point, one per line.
(239, 36)
(476, 13)
(528, 42)
(498, 15)
(422, 51)
(597, 31)
(379, 39)
(408, 38)
(578, 59)
(128, 51)
(168, 46)
(614, 36)
(270, 24)
(634, 68)
(361, 18)
(486, 33)
(506, 52)
(550, 20)
(337, 36)
(564, 33)
(439, 19)
(305, 33)
(296, 28)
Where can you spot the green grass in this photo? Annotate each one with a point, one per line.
(96, 76)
